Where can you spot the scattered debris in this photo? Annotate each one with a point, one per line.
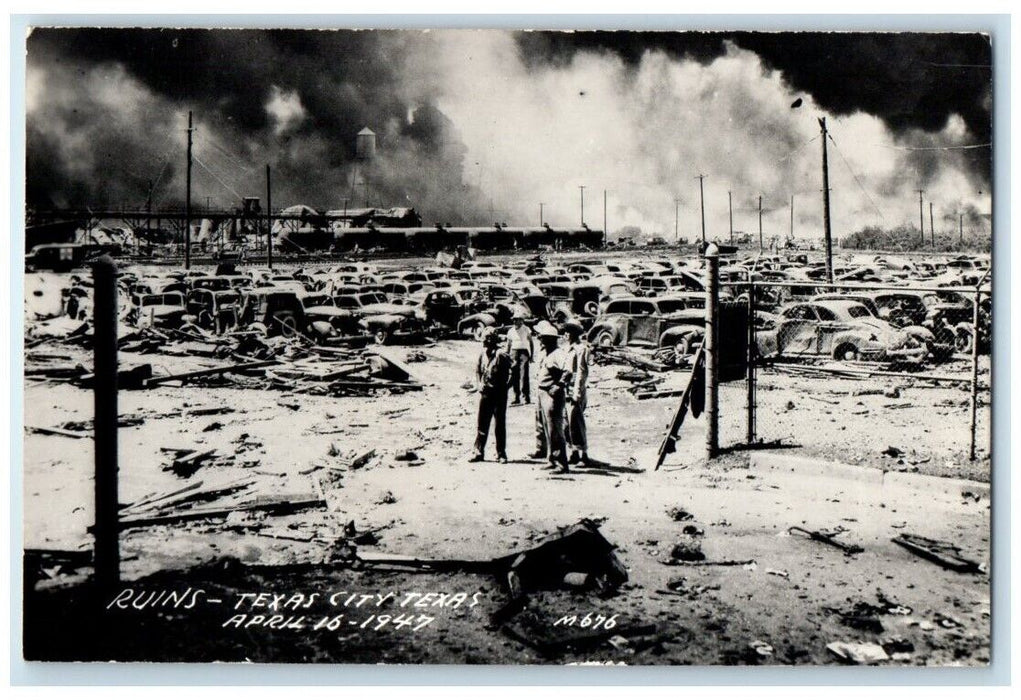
(858, 652)
(679, 514)
(828, 538)
(761, 648)
(943, 553)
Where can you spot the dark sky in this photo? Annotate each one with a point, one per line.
(88, 146)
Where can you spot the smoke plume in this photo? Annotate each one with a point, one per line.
(477, 126)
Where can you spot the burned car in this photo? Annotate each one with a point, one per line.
(386, 321)
(165, 310)
(843, 329)
(677, 322)
(578, 301)
(216, 310)
(289, 313)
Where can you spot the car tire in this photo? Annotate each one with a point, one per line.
(605, 339)
(963, 340)
(288, 324)
(682, 347)
(591, 308)
(479, 332)
(846, 352)
(381, 336)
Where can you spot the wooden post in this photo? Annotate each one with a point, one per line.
(921, 216)
(974, 375)
(187, 203)
(752, 356)
(932, 228)
(701, 200)
(106, 555)
(730, 208)
(760, 224)
(712, 365)
(827, 235)
(269, 221)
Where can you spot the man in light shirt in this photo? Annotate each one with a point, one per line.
(519, 342)
(577, 394)
(553, 380)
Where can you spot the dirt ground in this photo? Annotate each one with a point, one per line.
(441, 506)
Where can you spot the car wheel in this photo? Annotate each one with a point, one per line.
(682, 347)
(591, 308)
(963, 340)
(288, 325)
(381, 336)
(479, 332)
(605, 339)
(846, 351)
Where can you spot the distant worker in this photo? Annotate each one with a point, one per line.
(577, 394)
(519, 342)
(492, 376)
(553, 378)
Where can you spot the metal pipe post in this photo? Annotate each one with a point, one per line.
(974, 376)
(107, 550)
(752, 351)
(712, 366)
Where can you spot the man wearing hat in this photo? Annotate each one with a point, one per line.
(492, 377)
(577, 394)
(519, 343)
(553, 379)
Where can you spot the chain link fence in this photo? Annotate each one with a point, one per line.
(897, 375)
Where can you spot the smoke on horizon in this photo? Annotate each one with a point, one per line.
(476, 126)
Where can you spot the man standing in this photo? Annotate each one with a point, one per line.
(519, 339)
(577, 394)
(553, 378)
(492, 376)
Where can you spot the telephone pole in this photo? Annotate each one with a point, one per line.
(269, 221)
(792, 217)
(826, 203)
(541, 220)
(960, 218)
(921, 216)
(581, 188)
(932, 229)
(730, 207)
(701, 200)
(760, 224)
(187, 203)
(677, 204)
(604, 212)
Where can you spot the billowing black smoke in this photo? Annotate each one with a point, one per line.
(107, 110)
(334, 83)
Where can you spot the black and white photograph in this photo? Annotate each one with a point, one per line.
(507, 346)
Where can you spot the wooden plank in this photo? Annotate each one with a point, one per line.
(276, 507)
(212, 372)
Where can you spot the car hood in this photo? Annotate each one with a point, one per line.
(327, 311)
(391, 309)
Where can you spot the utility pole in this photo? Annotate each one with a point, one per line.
(921, 216)
(269, 221)
(148, 213)
(730, 207)
(760, 224)
(187, 203)
(961, 224)
(932, 229)
(826, 203)
(604, 212)
(792, 217)
(581, 188)
(677, 204)
(701, 200)
(541, 220)
(106, 551)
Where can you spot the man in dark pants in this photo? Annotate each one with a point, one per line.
(553, 378)
(519, 343)
(492, 375)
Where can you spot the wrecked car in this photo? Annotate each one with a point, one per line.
(842, 329)
(677, 322)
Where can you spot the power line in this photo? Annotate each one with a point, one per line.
(937, 148)
(855, 176)
(216, 177)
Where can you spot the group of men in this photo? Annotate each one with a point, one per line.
(561, 379)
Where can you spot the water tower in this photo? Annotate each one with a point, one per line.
(365, 144)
